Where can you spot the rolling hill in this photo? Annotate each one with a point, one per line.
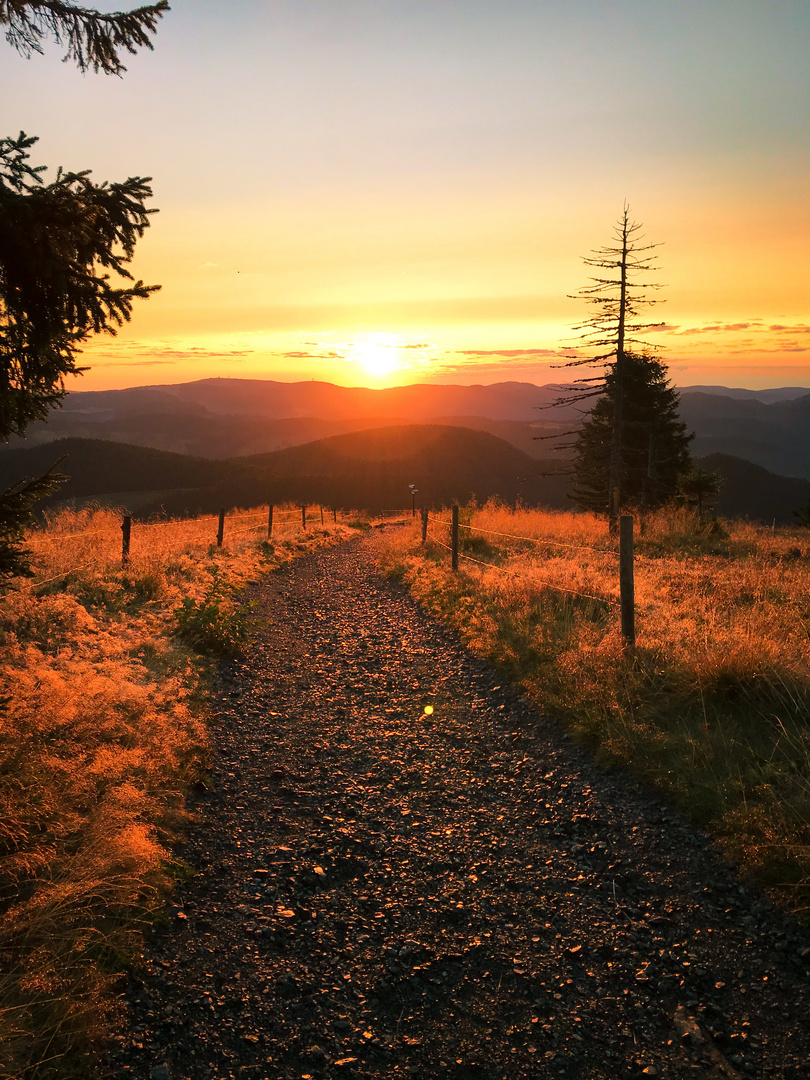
(444, 462)
(225, 418)
(774, 435)
(749, 491)
(361, 470)
(364, 470)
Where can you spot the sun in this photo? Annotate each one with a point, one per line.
(376, 358)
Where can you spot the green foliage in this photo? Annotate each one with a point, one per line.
(16, 513)
(214, 625)
(655, 443)
(93, 40)
(698, 485)
(802, 515)
(59, 243)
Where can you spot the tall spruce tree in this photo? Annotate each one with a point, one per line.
(632, 389)
(65, 246)
(654, 444)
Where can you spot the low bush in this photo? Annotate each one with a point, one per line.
(214, 625)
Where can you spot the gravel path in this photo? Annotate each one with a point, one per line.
(382, 891)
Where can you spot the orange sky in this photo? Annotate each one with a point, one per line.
(371, 193)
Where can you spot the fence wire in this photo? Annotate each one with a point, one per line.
(530, 539)
(524, 576)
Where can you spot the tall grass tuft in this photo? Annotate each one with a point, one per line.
(712, 708)
(102, 730)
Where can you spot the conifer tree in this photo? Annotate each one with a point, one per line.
(654, 445)
(697, 485)
(632, 391)
(60, 244)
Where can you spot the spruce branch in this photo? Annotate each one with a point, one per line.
(93, 40)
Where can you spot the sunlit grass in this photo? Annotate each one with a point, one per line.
(102, 730)
(714, 706)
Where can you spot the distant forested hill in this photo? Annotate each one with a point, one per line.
(361, 470)
(225, 418)
(364, 470)
(749, 491)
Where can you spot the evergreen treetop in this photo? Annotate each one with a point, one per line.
(60, 244)
(93, 40)
(655, 442)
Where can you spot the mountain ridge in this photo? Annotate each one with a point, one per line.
(207, 418)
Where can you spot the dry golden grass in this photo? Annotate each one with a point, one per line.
(102, 732)
(714, 706)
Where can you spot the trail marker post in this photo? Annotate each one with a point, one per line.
(126, 529)
(221, 527)
(626, 582)
(454, 539)
(269, 521)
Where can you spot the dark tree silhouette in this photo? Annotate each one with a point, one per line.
(608, 337)
(93, 40)
(802, 515)
(654, 445)
(59, 244)
(697, 485)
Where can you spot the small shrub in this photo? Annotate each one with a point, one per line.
(214, 625)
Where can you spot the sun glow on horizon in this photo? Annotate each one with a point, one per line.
(376, 357)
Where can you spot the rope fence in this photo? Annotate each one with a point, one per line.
(626, 599)
(208, 530)
(518, 574)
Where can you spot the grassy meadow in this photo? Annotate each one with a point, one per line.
(712, 708)
(102, 731)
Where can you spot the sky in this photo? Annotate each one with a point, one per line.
(374, 192)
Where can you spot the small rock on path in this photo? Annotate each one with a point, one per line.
(382, 891)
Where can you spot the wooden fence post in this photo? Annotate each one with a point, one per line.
(303, 517)
(334, 513)
(454, 539)
(126, 529)
(424, 524)
(269, 521)
(626, 582)
(321, 515)
(221, 527)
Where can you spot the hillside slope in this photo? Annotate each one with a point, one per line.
(98, 468)
(363, 470)
(445, 462)
(224, 418)
(775, 436)
(749, 491)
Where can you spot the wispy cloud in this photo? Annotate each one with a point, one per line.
(134, 352)
(139, 363)
(303, 354)
(718, 328)
(536, 354)
(483, 368)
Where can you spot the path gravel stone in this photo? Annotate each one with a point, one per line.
(404, 870)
